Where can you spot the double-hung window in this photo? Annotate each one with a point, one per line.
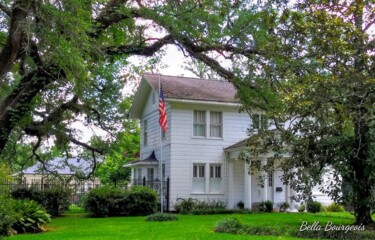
(208, 124)
(199, 181)
(215, 178)
(199, 124)
(216, 124)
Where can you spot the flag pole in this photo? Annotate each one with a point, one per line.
(161, 161)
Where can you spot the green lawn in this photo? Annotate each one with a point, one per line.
(77, 226)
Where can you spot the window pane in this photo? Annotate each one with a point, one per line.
(216, 123)
(198, 178)
(195, 174)
(199, 123)
(218, 171)
(211, 171)
(201, 171)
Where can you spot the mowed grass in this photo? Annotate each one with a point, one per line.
(78, 226)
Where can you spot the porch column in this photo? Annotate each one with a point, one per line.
(230, 184)
(265, 186)
(247, 186)
(292, 203)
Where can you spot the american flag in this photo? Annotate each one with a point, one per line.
(162, 111)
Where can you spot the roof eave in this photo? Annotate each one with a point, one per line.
(178, 100)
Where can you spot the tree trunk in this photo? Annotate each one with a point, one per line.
(362, 171)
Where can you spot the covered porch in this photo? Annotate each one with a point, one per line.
(252, 189)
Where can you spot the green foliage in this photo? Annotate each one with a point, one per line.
(193, 206)
(123, 150)
(284, 206)
(161, 217)
(7, 216)
(142, 201)
(313, 206)
(266, 206)
(111, 201)
(31, 193)
(335, 207)
(55, 200)
(229, 225)
(185, 206)
(30, 216)
(302, 208)
(316, 75)
(98, 201)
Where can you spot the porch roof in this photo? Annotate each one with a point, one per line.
(237, 145)
(150, 160)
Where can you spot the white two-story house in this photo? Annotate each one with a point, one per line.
(205, 134)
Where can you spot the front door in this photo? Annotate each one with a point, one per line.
(257, 190)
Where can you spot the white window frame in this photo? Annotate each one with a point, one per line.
(215, 125)
(216, 173)
(198, 178)
(200, 124)
(208, 124)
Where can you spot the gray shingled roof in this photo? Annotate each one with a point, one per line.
(193, 88)
(62, 166)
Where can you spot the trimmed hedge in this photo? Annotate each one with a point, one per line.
(111, 201)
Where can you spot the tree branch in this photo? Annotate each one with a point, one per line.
(139, 49)
(5, 9)
(11, 49)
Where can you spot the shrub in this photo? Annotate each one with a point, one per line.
(142, 201)
(229, 225)
(111, 201)
(30, 216)
(56, 200)
(190, 205)
(241, 205)
(284, 206)
(335, 207)
(302, 208)
(101, 202)
(31, 193)
(314, 206)
(161, 217)
(7, 216)
(219, 211)
(266, 206)
(185, 206)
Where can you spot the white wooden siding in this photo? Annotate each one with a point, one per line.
(239, 184)
(187, 149)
